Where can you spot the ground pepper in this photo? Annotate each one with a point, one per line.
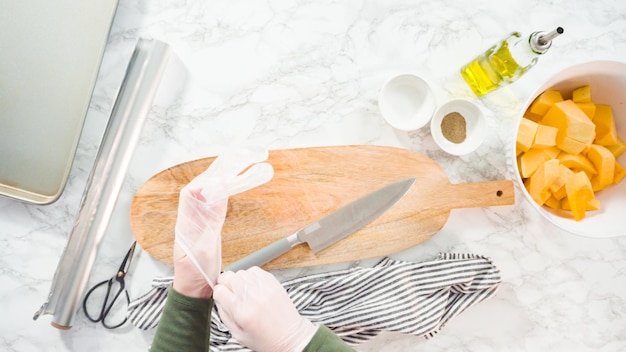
(453, 127)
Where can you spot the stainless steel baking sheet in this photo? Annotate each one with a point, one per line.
(50, 54)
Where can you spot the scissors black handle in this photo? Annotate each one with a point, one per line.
(108, 305)
(108, 302)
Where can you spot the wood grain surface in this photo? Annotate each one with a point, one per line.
(309, 183)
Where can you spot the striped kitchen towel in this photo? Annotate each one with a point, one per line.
(360, 303)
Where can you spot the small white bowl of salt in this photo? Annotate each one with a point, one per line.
(406, 102)
(458, 127)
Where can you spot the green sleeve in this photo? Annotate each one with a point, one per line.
(184, 325)
(325, 340)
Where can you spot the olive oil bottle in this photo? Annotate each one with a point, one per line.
(506, 61)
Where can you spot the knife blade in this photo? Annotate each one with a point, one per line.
(332, 227)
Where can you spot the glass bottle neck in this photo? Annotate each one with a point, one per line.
(522, 53)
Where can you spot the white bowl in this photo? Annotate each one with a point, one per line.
(607, 80)
(475, 127)
(406, 102)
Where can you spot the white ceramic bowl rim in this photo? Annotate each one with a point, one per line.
(406, 102)
(608, 86)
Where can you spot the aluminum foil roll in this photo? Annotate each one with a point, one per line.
(133, 102)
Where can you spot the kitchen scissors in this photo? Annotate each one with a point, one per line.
(107, 305)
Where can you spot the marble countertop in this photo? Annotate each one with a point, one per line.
(296, 74)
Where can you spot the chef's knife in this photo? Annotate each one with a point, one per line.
(332, 227)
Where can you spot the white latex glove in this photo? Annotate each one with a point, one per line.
(259, 314)
(202, 209)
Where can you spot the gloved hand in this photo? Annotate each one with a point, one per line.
(258, 312)
(202, 209)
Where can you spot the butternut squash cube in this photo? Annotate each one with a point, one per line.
(588, 108)
(593, 204)
(526, 134)
(552, 152)
(530, 161)
(553, 203)
(620, 172)
(560, 194)
(589, 174)
(532, 117)
(557, 188)
(617, 149)
(577, 161)
(582, 94)
(544, 101)
(545, 137)
(596, 186)
(579, 193)
(572, 123)
(604, 162)
(606, 133)
(539, 183)
(570, 145)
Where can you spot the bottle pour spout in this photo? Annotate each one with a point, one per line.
(547, 38)
(540, 42)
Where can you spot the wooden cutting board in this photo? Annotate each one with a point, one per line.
(309, 183)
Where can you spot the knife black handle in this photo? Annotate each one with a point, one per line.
(261, 256)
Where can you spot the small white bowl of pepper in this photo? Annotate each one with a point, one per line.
(458, 127)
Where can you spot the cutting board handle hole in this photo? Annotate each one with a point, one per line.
(499, 193)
